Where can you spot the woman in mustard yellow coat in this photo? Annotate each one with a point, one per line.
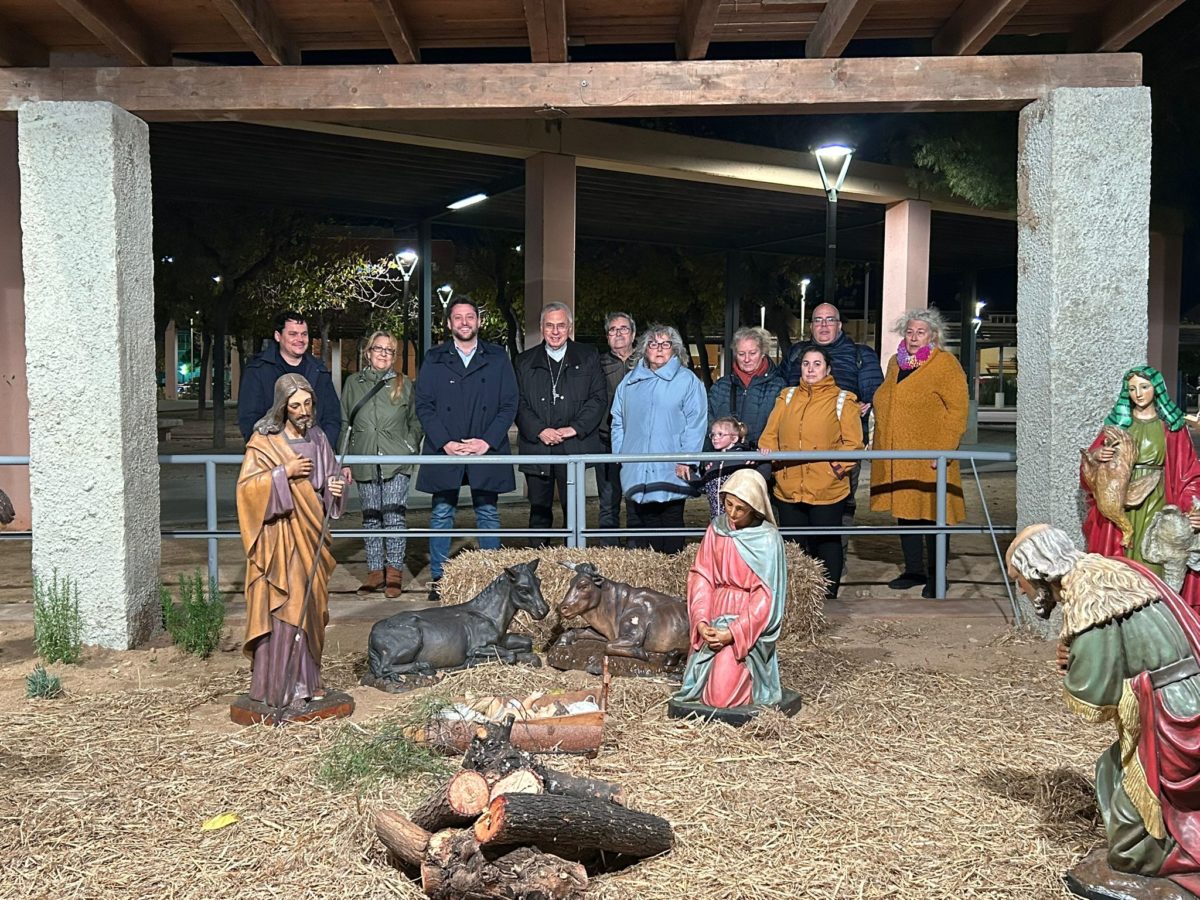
(921, 405)
(814, 415)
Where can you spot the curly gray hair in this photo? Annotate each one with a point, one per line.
(659, 333)
(930, 316)
(1041, 557)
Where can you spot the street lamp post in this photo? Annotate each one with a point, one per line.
(406, 261)
(835, 155)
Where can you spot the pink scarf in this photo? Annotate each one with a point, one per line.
(908, 360)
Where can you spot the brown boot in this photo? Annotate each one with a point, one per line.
(395, 581)
(373, 584)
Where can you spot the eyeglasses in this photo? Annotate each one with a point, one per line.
(619, 329)
(658, 345)
(825, 320)
(386, 351)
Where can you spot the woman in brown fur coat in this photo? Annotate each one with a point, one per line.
(921, 405)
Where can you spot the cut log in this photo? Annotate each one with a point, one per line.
(492, 754)
(455, 867)
(522, 781)
(406, 841)
(571, 826)
(457, 802)
(568, 785)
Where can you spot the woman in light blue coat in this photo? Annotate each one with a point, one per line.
(659, 407)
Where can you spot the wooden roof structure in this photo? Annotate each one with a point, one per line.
(284, 32)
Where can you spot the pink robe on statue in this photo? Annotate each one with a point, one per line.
(721, 583)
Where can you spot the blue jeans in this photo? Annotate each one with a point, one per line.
(445, 505)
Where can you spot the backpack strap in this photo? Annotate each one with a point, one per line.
(841, 403)
(787, 395)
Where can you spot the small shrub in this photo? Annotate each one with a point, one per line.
(41, 685)
(194, 623)
(359, 759)
(57, 628)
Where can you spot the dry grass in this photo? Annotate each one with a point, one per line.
(471, 571)
(890, 783)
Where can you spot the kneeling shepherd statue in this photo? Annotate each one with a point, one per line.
(1128, 648)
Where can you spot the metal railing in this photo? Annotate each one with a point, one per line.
(577, 533)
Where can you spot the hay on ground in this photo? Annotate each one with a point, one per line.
(471, 571)
(891, 783)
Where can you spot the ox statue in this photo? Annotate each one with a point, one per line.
(454, 637)
(631, 621)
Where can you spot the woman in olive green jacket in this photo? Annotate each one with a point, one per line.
(385, 425)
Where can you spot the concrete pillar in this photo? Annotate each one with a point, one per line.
(336, 368)
(1166, 287)
(14, 401)
(89, 288)
(905, 267)
(1083, 211)
(549, 236)
(171, 362)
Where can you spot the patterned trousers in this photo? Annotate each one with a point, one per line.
(384, 504)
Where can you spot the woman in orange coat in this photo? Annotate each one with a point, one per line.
(921, 405)
(814, 415)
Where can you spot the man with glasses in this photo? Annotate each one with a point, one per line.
(620, 331)
(855, 368)
(748, 393)
(288, 355)
(466, 401)
(563, 402)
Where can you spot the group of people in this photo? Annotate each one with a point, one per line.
(636, 397)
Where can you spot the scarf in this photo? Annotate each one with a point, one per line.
(908, 360)
(1122, 411)
(746, 379)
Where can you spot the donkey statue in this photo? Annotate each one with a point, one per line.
(454, 637)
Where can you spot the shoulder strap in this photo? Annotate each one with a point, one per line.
(787, 395)
(363, 402)
(841, 403)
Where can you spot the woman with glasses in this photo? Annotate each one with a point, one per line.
(921, 405)
(814, 415)
(378, 409)
(659, 407)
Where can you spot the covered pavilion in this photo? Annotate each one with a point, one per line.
(82, 78)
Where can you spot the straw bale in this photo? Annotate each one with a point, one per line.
(891, 782)
(472, 570)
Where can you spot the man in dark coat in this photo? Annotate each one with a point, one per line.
(855, 368)
(466, 400)
(748, 393)
(288, 356)
(563, 402)
(621, 332)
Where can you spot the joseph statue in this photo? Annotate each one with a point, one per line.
(288, 482)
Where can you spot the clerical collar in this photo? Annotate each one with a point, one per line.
(557, 355)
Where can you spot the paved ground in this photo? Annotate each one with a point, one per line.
(976, 584)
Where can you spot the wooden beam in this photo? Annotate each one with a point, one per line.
(395, 29)
(18, 49)
(258, 26)
(836, 26)
(696, 28)
(974, 24)
(116, 28)
(547, 24)
(1122, 21)
(587, 90)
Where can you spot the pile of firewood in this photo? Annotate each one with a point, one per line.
(506, 826)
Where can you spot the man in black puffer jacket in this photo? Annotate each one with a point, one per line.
(288, 356)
